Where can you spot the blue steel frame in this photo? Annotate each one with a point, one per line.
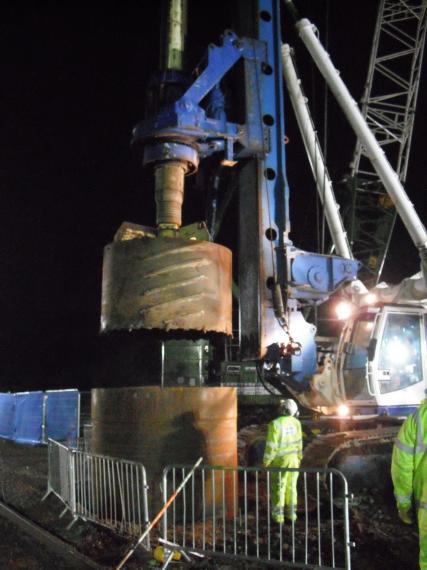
(275, 198)
(264, 196)
(185, 131)
(186, 121)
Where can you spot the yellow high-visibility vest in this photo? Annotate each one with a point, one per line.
(409, 460)
(284, 440)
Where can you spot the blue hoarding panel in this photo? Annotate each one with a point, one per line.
(29, 417)
(62, 415)
(7, 411)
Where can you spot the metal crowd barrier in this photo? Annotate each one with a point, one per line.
(222, 511)
(111, 492)
(226, 512)
(82, 444)
(108, 491)
(59, 479)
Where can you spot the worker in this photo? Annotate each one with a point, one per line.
(409, 474)
(284, 449)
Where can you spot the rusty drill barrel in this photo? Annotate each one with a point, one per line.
(167, 284)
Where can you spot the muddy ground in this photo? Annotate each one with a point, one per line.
(382, 541)
(18, 550)
(23, 478)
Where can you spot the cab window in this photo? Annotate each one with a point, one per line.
(399, 362)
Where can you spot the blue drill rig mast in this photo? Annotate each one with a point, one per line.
(175, 279)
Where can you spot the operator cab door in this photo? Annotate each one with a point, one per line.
(397, 369)
(353, 361)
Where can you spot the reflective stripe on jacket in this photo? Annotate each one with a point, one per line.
(409, 460)
(284, 440)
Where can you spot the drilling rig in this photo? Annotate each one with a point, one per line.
(228, 311)
(174, 281)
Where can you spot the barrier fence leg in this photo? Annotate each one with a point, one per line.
(49, 468)
(63, 512)
(72, 486)
(169, 555)
(46, 495)
(75, 519)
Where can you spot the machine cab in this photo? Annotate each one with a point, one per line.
(382, 360)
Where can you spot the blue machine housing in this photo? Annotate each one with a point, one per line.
(320, 273)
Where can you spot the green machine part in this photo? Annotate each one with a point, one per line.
(185, 362)
(250, 390)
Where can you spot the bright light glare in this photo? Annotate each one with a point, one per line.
(397, 351)
(343, 310)
(370, 299)
(343, 411)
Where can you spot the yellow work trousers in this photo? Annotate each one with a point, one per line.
(422, 526)
(284, 492)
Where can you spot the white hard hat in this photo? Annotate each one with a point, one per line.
(288, 407)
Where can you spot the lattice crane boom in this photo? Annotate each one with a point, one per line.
(388, 105)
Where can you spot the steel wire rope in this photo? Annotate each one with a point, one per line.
(318, 201)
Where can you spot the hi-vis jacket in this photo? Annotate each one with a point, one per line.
(409, 461)
(284, 442)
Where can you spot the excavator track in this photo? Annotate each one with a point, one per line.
(362, 456)
(321, 451)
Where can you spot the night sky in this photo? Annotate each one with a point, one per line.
(73, 79)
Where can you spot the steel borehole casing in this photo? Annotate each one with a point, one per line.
(166, 426)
